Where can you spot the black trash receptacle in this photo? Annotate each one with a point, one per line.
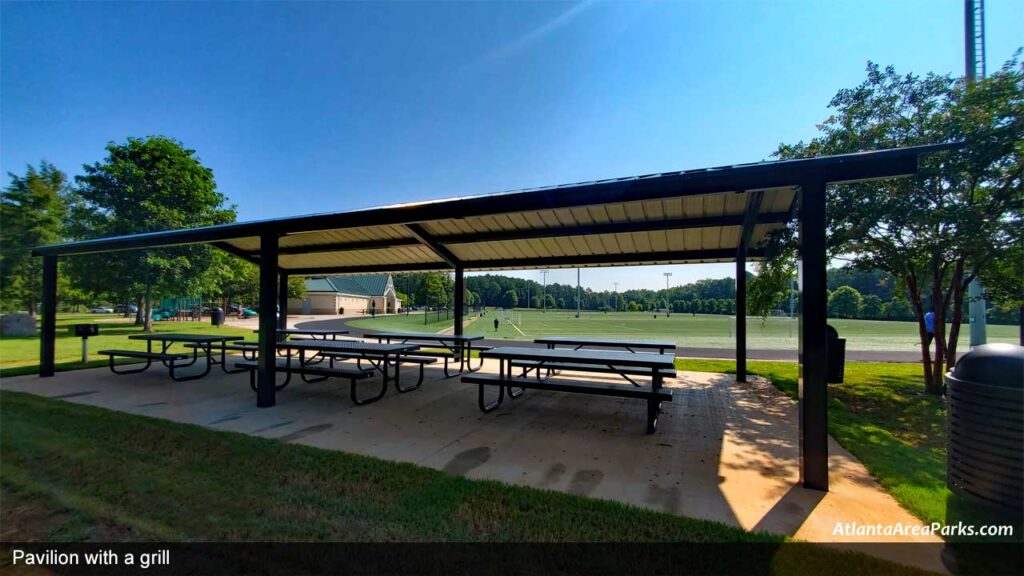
(217, 316)
(985, 460)
(835, 355)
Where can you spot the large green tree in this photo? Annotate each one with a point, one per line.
(32, 209)
(937, 231)
(147, 185)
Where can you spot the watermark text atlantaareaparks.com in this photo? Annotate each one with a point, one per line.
(933, 529)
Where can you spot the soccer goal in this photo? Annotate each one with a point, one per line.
(508, 316)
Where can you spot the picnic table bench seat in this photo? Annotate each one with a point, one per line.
(421, 361)
(167, 358)
(320, 372)
(528, 365)
(571, 386)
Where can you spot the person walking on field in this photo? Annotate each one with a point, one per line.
(495, 324)
(929, 325)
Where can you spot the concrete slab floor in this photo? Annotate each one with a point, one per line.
(723, 451)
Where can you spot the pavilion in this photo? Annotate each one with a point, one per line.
(711, 215)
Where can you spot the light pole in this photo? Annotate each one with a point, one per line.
(544, 292)
(615, 296)
(577, 292)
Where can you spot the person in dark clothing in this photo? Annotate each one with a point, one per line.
(495, 324)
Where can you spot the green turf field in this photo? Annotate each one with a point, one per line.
(702, 330)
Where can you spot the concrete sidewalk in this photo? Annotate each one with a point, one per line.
(723, 451)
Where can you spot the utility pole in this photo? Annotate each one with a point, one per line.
(577, 292)
(974, 60)
(544, 292)
(615, 296)
(667, 275)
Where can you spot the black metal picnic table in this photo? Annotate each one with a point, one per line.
(284, 333)
(631, 345)
(380, 356)
(458, 344)
(597, 361)
(204, 342)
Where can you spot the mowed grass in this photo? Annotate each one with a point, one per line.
(20, 355)
(80, 473)
(882, 415)
(702, 330)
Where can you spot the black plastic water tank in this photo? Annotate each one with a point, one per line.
(986, 427)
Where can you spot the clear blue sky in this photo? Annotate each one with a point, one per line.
(313, 107)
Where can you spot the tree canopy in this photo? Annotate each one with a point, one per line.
(32, 209)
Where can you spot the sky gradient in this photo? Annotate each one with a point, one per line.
(317, 107)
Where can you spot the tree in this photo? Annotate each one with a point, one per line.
(511, 299)
(32, 209)
(897, 309)
(633, 306)
(845, 302)
(146, 185)
(938, 230)
(871, 307)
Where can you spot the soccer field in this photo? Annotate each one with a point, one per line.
(702, 330)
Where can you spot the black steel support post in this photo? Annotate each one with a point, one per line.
(282, 301)
(460, 298)
(813, 390)
(48, 338)
(741, 317)
(265, 376)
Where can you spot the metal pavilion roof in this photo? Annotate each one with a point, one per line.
(705, 215)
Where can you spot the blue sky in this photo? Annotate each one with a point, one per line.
(313, 107)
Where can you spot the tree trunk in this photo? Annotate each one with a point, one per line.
(922, 331)
(147, 321)
(934, 386)
(140, 311)
(957, 289)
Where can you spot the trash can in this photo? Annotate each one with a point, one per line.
(835, 355)
(985, 459)
(217, 316)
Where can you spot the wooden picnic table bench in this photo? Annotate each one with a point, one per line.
(600, 361)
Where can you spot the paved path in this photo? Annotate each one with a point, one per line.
(688, 352)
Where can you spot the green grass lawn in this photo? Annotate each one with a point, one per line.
(62, 480)
(21, 355)
(702, 330)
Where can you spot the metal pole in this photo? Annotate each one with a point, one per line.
(741, 317)
(615, 296)
(544, 292)
(282, 301)
(577, 292)
(974, 54)
(460, 299)
(812, 388)
(85, 349)
(48, 337)
(266, 372)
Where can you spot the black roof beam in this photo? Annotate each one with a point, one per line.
(350, 246)
(750, 219)
(251, 257)
(431, 242)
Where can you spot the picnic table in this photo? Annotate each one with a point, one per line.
(284, 333)
(382, 357)
(631, 345)
(456, 345)
(657, 366)
(172, 361)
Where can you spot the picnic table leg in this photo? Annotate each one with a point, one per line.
(485, 407)
(224, 359)
(654, 405)
(383, 388)
(506, 372)
(207, 349)
(398, 367)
